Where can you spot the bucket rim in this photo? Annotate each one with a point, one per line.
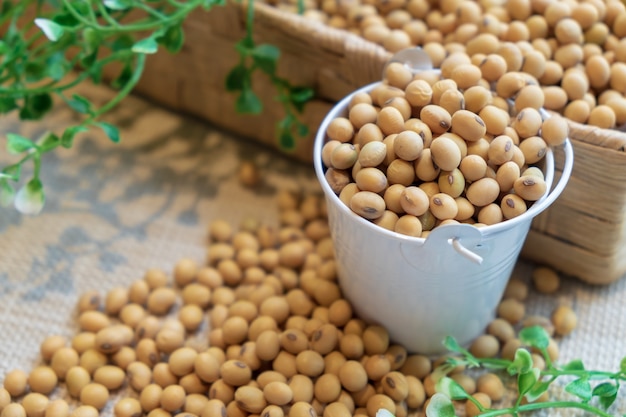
(538, 206)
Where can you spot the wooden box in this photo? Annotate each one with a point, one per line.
(583, 234)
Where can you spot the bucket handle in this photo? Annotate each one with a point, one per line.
(455, 242)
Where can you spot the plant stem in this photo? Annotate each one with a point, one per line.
(543, 406)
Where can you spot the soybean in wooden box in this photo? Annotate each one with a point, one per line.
(583, 234)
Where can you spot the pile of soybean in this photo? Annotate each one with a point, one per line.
(575, 49)
(439, 147)
(259, 329)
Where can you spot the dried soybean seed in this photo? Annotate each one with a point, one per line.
(443, 206)
(250, 399)
(512, 206)
(546, 280)
(95, 395)
(127, 407)
(50, 345)
(501, 329)
(390, 120)
(57, 408)
(400, 171)
(468, 125)
(485, 346)
(495, 119)
(451, 183)
(111, 377)
(371, 179)
(327, 388)
(42, 379)
(483, 192)
(511, 310)
(172, 398)
(530, 188)
(340, 129)
(372, 154)
(413, 200)
(445, 153)
(344, 156)
(490, 214)
(452, 101)
(380, 401)
(564, 320)
(471, 410)
(473, 167)
(14, 410)
(35, 404)
(408, 145)
(367, 204)
(437, 118)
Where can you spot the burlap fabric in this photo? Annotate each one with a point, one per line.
(115, 210)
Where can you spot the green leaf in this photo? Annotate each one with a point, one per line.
(622, 365)
(111, 131)
(30, 198)
(7, 104)
(245, 46)
(537, 390)
(303, 130)
(13, 171)
(6, 8)
(522, 362)
(248, 103)
(146, 46)
(526, 381)
(299, 96)
(122, 42)
(34, 71)
(440, 406)
(7, 193)
(535, 336)
(35, 106)
(123, 78)
(67, 138)
(286, 140)
(266, 57)
(173, 38)
(452, 345)
(451, 389)
(4, 47)
(606, 393)
(49, 140)
(57, 66)
(117, 4)
(68, 19)
(92, 39)
(575, 365)
(51, 29)
(605, 389)
(87, 61)
(17, 144)
(580, 388)
(238, 78)
(80, 104)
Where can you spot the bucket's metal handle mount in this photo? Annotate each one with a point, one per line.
(463, 251)
(415, 59)
(443, 245)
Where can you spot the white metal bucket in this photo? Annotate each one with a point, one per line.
(424, 289)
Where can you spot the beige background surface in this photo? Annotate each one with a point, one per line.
(113, 211)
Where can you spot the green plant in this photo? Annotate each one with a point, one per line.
(592, 391)
(51, 46)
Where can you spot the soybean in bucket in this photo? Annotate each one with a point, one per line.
(450, 279)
